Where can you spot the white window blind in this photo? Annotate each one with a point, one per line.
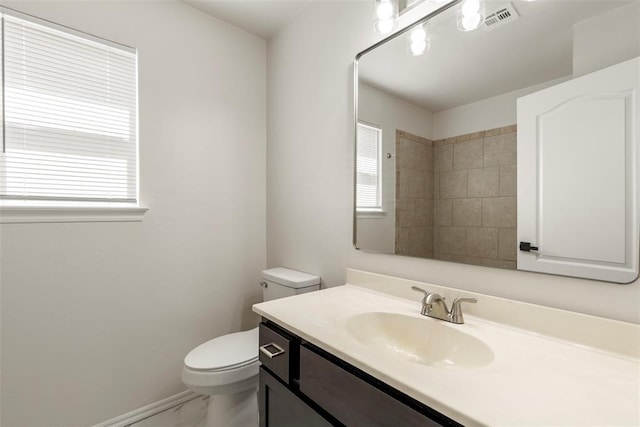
(69, 116)
(368, 167)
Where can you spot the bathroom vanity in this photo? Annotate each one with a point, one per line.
(309, 386)
(362, 355)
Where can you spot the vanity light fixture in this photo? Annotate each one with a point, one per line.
(471, 14)
(385, 16)
(419, 39)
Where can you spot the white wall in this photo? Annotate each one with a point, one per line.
(310, 175)
(495, 112)
(389, 113)
(606, 40)
(97, 318)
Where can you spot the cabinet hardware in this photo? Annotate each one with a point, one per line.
(272, 350)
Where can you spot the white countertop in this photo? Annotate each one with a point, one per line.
(533, 379)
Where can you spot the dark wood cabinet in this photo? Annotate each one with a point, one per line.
(311, 387)
(280, 407)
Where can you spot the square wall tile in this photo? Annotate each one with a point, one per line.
(507, 244)
(405, 212)
(416, 183)
(500, 150)
(451, 240)
(453, 185)
(403, 240)
(405, 153)
(482, 242)
(424, 242)
(402, 182)
(443, 212)
(424, 212)
(422, 155)
(508, 180)
(467, 212)
(484, 182)
(499, 212)
(443, 157)
(468, 154)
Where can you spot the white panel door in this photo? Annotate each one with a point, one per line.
(578, 176)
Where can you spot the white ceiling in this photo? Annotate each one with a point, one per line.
(534, 49)
(260, 17)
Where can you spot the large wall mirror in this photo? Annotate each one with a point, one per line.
(439, 128)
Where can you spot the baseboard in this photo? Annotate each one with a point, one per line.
(149, 410)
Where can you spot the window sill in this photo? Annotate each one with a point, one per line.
(374, 213)
(33, 214)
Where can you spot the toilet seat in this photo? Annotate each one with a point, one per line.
(228, 352)
(227, 364)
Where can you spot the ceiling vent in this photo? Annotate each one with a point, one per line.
(503, 15)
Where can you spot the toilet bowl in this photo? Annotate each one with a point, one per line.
(226, 368)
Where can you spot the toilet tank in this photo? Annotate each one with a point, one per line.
(283, 282)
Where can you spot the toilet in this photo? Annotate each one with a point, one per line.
(226, 368)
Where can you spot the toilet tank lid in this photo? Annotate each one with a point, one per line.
(290, 278)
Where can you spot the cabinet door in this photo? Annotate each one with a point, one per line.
(354, 401)
(279, 407)
(578, 176)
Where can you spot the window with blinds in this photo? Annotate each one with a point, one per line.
(368, 196)
(69, 116)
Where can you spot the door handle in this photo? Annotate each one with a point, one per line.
(526, 247)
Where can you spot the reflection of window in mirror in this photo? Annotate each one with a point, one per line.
(368, 182)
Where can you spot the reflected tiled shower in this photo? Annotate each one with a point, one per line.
(456, 197)
(414, 195)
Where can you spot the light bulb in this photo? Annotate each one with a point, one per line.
(417, 48)
(471, 7)
(418, 34)
(384, 26)
(471, 22)
(384, 10)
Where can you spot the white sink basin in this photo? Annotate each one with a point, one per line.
(419, 340)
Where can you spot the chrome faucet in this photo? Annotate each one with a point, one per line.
(434, 305)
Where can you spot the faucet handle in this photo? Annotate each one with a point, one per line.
(417, 289)
(424, 299)
(456, 309)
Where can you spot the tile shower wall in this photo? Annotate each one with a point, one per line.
(475, 198)
(456, 197)
(414, 195)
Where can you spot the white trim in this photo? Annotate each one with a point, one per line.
(32, 214)
(370, 213)
(149, 410)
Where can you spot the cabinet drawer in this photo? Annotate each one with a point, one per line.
(350, 399)
(275, 351)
